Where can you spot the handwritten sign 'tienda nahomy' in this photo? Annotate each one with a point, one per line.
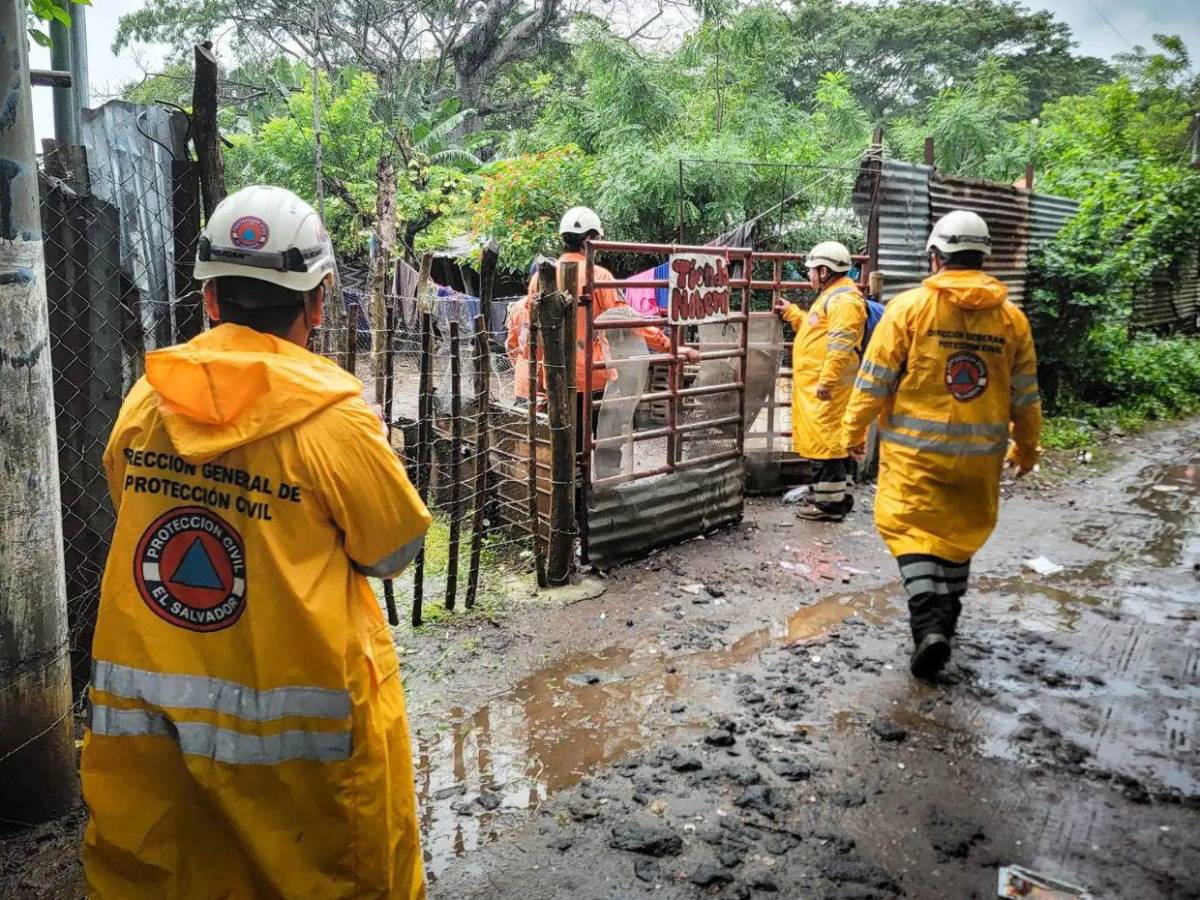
(699, 288)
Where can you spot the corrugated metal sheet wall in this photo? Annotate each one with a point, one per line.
(915, 196)
(1173, 301)
(629, 520)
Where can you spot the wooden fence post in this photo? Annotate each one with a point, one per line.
(424, 422)
(455, 457)
(205, 135)
(539, 559)
(483, 394)
(554, 313)
(389, 589)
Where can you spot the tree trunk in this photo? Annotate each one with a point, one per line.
(381, 262)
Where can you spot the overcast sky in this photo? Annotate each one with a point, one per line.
(1102, 28)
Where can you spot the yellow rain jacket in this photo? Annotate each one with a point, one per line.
(825, 352)
(248, 736)
(950, 365)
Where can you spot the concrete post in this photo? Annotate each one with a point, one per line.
(37, 760)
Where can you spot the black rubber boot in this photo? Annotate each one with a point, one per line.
(930, 656)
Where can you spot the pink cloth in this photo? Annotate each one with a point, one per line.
(643, 300)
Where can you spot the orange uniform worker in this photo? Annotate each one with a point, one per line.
(579, 225)
(516, 345)
(950, 366)
(824, 363)
(248, 735)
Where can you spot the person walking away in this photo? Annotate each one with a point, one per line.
(578, 226)
(951, 364)
(824, 362)
(248, 735)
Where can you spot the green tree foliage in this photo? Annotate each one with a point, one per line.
(39, 11)
(282, 151)
(977, 127)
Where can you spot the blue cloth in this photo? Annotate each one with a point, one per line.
(662, 294)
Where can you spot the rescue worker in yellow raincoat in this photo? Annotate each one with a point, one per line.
(248, 735)
(824, 362)
(950, 366)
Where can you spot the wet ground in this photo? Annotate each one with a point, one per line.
(734, 717)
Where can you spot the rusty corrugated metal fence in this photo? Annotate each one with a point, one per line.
(913, 197)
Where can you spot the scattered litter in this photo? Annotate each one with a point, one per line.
(1167, 488)
(1085, 456)
(795, 495)
(850, 570)
(857, 534)
(1043, 566)
(693, 589)
(1018, 882)
(815, 659)
(784, 564)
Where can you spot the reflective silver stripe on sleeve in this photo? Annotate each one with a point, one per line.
(842, 333)
(868, 387)
(839, 345)
(938, 445)
(958, 429)
(222, 744)
(1026, 400)
(1023, 381)
(393, 563)
(883, 373)
(218, 695)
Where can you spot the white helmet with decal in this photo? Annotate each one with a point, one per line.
(266, 233)
(833, 255)
(958, 230)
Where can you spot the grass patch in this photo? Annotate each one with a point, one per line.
(503, 577)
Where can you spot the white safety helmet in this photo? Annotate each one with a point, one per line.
(580, 220)
(266, 233)
(959, 230)
(831, 254)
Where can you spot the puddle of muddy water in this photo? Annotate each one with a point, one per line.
(585, 711)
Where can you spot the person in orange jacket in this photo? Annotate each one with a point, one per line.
(578, 226)
(950, 368)
(248, 735)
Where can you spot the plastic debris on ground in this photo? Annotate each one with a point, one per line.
(796, 494)
(1043, 566)
(1018, 882)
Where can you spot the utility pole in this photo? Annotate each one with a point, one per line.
(68, 53)
(37, 759)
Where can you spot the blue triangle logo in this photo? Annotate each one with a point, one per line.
(963, 377)
(196, 569)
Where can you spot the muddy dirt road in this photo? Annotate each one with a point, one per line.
(734, 717)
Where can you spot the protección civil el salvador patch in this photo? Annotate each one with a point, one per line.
(966, 376)
(190, 569)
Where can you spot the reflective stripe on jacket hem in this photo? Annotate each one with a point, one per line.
(222, 744)
(940, 445)
(1026, 400)
(218, 695)
(958, 429)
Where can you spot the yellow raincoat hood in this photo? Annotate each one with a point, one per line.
(233, 385)
(968, 288)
